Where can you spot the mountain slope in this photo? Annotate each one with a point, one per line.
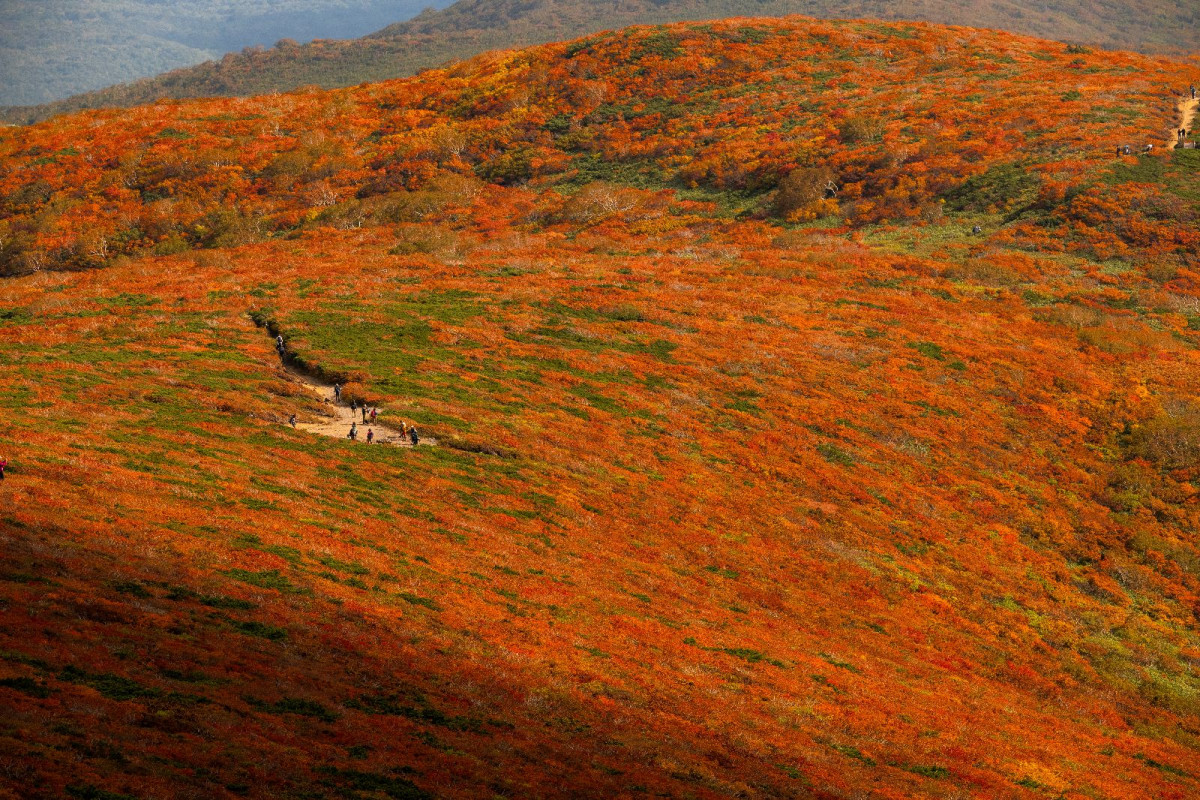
(760, 471)
(50, 49)
(472, 26)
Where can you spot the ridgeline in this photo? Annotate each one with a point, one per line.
(469, 27)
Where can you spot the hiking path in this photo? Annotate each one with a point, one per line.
(335, 418)
(1187, 115)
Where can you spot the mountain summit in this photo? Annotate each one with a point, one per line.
(472, 26)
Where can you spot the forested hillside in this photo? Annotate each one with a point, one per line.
(472, 26)
(814, 405)
(50, 49)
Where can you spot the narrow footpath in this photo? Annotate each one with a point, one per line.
(1187, 115)
(336, 418)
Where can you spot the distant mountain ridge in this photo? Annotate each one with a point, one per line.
(50, 49)
(472, 26)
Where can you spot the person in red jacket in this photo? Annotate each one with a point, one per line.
(3, 464)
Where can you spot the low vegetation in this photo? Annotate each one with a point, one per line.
(467, 28)
(746, 491)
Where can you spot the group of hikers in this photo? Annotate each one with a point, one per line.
(1181, 135)
(406, 432)
(369, 413)
(368, 417)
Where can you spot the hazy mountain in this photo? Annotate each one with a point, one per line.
(51, 49)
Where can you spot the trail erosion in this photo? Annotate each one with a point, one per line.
(335, 419)
(1187, 115)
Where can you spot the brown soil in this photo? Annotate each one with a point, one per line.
(1187, 115)
(334, 419)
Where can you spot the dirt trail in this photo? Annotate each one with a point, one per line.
(336, 418)
(1187, 115)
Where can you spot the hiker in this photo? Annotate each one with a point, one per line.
(353, 434)
(292, 420)
(403, 428)
(337, 393)
(370, 435)
(353, 406)
(364, 413)
(412, 435)
(976, 230)
(1193, 92)
(1128, 150)
(3, 464)
(374, 411)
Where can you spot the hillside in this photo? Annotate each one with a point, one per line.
(51, 49)
(815, 417)
(469, 27)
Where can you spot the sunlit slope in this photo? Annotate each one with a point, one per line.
(898, 118)
(470, 27)
(742, 489)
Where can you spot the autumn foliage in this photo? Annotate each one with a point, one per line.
(762, 472)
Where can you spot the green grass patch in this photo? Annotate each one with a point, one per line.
(26, 686)
(853, 752)
(88, 791)
(268, 579)
(132, 588)
(836, 455)
(297, 706)
(840, 664)
(418, 711)
(417, 600)
(260, 629)
(1161, 767)
(344, 566)
(250, 540)
(373, 784)
(212, 601)
(114, 687)
(1002, 187)
(929, 350)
